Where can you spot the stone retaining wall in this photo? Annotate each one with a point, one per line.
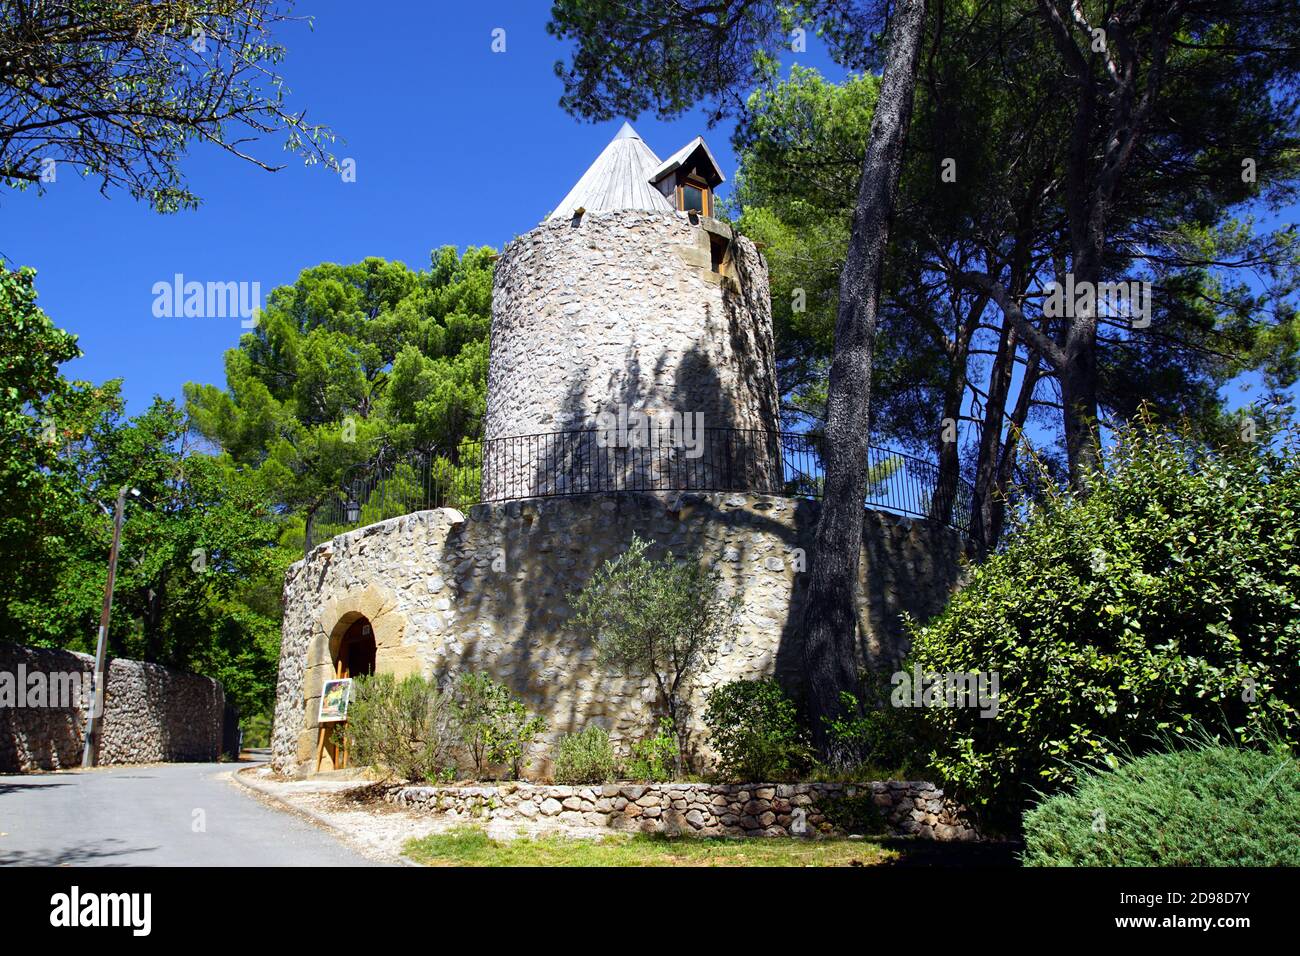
(151, 713)
(446, 592)
(905, 808)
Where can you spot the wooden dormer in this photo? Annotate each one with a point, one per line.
(688, 177)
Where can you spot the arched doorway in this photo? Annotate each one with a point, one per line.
(354, 656)
(356, 651)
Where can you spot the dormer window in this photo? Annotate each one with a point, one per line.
(693, 196)
(688, 177)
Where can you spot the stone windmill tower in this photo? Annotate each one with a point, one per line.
(631, 299)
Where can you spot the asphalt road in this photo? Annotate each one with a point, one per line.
(172, 815)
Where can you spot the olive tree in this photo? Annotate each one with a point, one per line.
(657, 618)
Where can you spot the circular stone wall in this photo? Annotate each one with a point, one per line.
(624, 312)
(488, 591)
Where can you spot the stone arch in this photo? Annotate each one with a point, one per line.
(377, 606)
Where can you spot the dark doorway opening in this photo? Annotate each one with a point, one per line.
(356, 657)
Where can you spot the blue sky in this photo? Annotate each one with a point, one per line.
(453, 144)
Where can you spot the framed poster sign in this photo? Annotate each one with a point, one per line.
(334, 698)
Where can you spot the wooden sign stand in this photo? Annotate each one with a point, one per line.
(339, 764)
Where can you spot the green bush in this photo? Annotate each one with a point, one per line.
(585, 757)
(1205, 806)
(754, 728)
(495, 727)
(406, 730)
(1165, 598)
(652, 759)
(871, 739)
(512, 730)
(657, 618)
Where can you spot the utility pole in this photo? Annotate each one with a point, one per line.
(99, 678)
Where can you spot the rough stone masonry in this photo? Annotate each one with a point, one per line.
(446, 592)
(151, 714)
(900, 808)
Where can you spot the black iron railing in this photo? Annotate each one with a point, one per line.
(591, 461)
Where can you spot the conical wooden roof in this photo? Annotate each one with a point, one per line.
(618, 179)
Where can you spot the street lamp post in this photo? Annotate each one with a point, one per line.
(101, 648)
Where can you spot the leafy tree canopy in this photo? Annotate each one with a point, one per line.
(198, 579)
(350, 369)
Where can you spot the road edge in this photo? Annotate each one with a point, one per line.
(277, 802)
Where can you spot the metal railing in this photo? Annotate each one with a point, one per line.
(588, 462)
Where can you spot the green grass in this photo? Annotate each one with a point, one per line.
(467, 846)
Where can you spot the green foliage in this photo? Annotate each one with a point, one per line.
(349, 370)
(754, 728)
(1167, 596)
(584, 757)
(510, 736)
(1199, 806)
(996, 105)
(871, 739)
(407, 729)
(633, 56)
(655, 618)
(39, 412)
(198, 582)
(803, 221)
(652, 760)
(478, 698)
(257, 731)
(494, 726)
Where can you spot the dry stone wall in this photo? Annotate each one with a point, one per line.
(900, 808)
(446, 592)
(151, 713)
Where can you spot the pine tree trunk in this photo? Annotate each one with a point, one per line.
(983, 503)
(948, 450)
(830, 616)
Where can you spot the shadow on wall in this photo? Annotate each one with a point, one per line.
(755, 351)
(547, 550)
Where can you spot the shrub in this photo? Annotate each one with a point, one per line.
(1166, 597)
(755, 730)
(511, 733)
(585, 757)
(871, 739)
(1205, 806)
(652, 759)
(495, 726)
(478, 697)
(405, 730)
(657, 618)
